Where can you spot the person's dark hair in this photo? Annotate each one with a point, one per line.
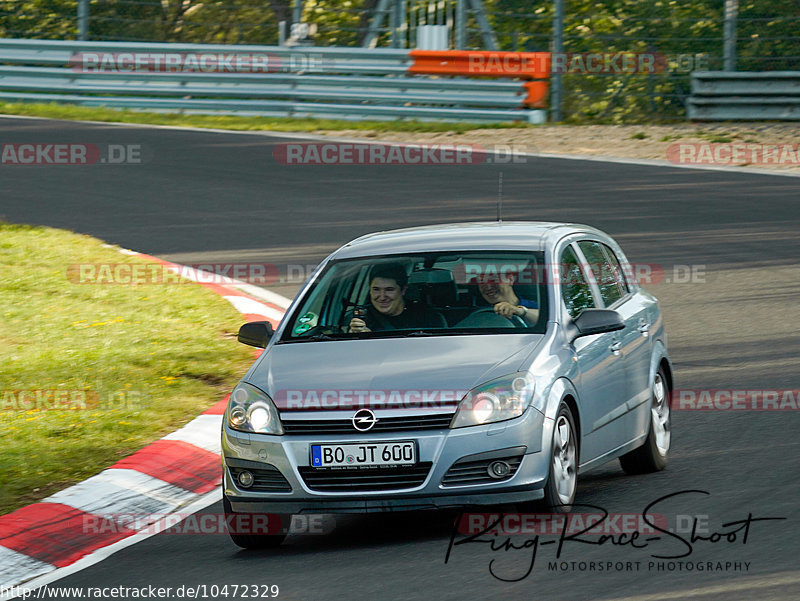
(390, 271)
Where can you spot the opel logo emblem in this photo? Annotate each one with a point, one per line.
(364, 419)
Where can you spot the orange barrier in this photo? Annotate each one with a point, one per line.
(489, 63)
(537, 94)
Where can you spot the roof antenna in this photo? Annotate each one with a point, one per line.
(500, 197)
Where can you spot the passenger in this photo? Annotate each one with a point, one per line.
(388, 309)
(500, 293)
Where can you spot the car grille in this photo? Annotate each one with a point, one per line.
(266, 478)
(384, 424)
(476, 472)
(366, 479)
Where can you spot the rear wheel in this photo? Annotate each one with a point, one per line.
(562, 482)
(253, 540)
(653, 455)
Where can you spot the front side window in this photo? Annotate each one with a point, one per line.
(605, 275)
(575, 289)
(425, 294)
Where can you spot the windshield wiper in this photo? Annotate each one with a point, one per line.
(419, 333)
(322, 337)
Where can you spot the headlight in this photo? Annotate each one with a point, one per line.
(496, 401)
(250, 410)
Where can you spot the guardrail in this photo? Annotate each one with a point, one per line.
(345, 83)
(745, 95)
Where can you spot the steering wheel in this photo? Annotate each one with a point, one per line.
(516, 320)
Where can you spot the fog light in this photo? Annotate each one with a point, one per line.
(499, 469)
(245, 479)
(238, 416)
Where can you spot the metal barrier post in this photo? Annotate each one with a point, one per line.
(297, 11)
(461, 24)
(479, 12)
(558, 49)
(83, 20)
(400, 25)
(729, 52)
(281, 33)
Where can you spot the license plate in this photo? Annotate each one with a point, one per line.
(364, 455)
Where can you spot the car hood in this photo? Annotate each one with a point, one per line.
(315, 370)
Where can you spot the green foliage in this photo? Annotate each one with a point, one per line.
(689, 35)
(145, 359)
(235, 122)
(48, 19)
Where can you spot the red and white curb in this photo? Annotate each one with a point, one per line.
(180, 472)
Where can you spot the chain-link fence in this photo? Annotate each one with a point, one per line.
(678, 36)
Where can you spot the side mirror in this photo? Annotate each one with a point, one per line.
(594, 321)
(256, 333)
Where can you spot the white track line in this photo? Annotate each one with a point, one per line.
(260, 293)
(203, 431)
(263, 294)
(247, 305)
(301, 136)
(204, 501)
(13, 563)
(122, 491)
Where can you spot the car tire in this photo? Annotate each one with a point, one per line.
(562, 480)
(256, 541)
(653, 455)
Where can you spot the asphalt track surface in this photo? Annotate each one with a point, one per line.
(205, 196)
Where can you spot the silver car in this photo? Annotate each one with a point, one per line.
(449, 366)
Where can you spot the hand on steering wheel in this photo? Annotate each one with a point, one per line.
(513, 318)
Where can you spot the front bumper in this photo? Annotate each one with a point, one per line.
(442, 448)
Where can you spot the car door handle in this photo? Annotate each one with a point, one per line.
(644, 328)
(615, 347)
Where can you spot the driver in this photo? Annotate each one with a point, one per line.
(499, 292)
(388, 309)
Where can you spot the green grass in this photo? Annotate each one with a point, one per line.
(715, 137)
(83, 113)
(640, 135)
(149, 358)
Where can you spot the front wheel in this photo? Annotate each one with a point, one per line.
(653, 455)
(559, 491)
(253, 539)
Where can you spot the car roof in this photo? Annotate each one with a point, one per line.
(490, 235)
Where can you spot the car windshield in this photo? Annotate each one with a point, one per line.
(423, 294)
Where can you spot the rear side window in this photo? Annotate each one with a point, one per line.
(574, 288)
(606, 276)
